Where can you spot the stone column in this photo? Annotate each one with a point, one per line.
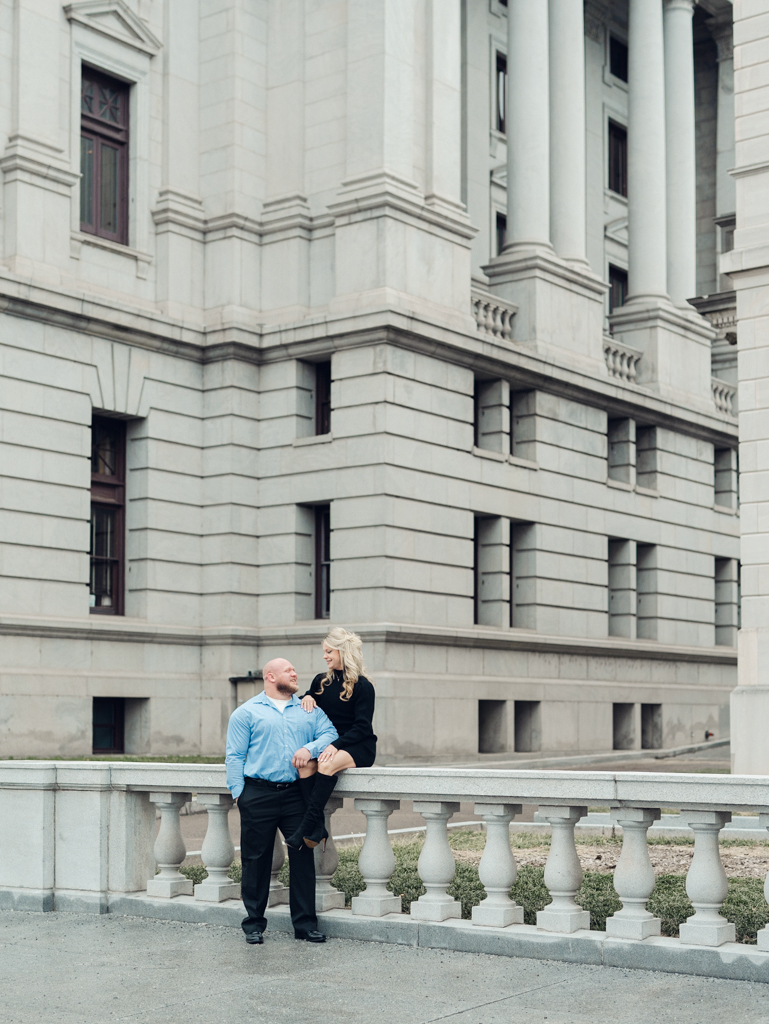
(567, 129)
(748, 266)
(528, 131)
(647, 248)
(679, 152)
(721, 30)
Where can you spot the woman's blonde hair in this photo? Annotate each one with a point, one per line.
(350, 647)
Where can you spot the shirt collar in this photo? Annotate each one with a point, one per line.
(262, 698)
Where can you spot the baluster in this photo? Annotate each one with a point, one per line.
(497, 870)
(507, 330)
(326, 863)
(376, 861)
(169, 848)
(763, 935)
(436, 865)
(706, 882)
(218, 851)
(278, 891)
(477, 313)
(634, 877)
(563, 873)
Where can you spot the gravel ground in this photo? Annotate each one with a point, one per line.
(738, 861)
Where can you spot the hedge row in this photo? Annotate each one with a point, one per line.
(745, 905)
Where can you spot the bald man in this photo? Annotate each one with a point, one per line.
(269, 737)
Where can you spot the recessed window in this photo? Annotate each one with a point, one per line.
(618, 58)
(617, 158)
(107, 516)
(323, 398)
(617, 288)
(322, 561)
(104, 156)
(108, 725)
(501, 231)
(501, 93)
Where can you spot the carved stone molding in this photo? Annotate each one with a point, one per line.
(596, 18)
(115, 19)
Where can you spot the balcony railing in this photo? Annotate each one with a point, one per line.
(723, 395)
(101, 856)
(621, 360)
(493, 316)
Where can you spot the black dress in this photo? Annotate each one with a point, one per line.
(351, 718)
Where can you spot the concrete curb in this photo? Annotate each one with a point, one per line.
(733, 961)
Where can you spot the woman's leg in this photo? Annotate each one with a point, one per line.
(313, 828)
(336, 764)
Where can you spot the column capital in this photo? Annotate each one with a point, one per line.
(681, 5)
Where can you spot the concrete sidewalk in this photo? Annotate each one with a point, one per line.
(73, 969)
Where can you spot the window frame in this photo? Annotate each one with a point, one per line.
(500, 92)
(618, 175)
(108, 494)
(102, 132)
(322, 561)
(323, 398)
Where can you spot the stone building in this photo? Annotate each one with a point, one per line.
(400, 314)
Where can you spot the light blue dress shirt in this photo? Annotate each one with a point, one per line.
(261, 740)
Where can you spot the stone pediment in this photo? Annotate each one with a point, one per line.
(115, 19)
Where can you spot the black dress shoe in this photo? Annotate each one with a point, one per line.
(254, 938)
(313, 936)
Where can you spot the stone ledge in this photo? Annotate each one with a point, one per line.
(732, 961)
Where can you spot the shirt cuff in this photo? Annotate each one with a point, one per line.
(237, 790)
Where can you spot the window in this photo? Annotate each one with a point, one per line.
(646, 591)
(527, 726)
(726, 477)
(646, 457)
(108, 725)
(622, 450)
(618, 58)
(104, 156)
(617, 288)
(622, 588)
(323, 398)
(651, 726)
(727, 587)
(617, 158)
(623, 722)
(492, 726)
(107, 515)
(501, 93)
(501, 231)
(322, 561)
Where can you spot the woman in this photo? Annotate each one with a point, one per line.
(347, 697)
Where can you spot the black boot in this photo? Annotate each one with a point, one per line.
(312, 829)
(306, 788)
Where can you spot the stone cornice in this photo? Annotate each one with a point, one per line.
(253, 342)
(304, 634)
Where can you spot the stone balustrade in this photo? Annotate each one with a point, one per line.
(81, 837)
(493, 315)
(723, 395)
(621, 360)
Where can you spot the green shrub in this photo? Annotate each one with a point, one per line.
(530, 892)
(598, 895)
(670, 903)
(746, 907)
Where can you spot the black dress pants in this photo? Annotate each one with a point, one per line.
(263, 810)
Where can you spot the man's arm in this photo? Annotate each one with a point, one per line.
(238, 740)
(324, 733)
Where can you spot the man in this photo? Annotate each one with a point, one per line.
(268, 738)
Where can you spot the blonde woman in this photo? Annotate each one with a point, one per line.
(347, 697)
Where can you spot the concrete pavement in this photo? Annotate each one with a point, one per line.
(82, 969)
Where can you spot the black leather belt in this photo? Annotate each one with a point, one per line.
(249, 780)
